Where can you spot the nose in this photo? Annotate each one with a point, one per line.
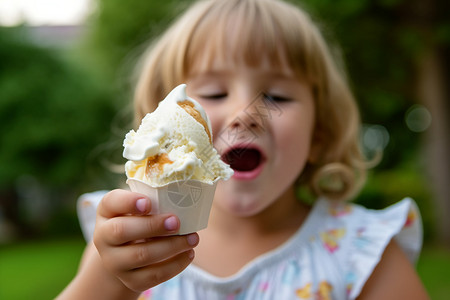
(246, 120)
(258, 112)
(248, 111)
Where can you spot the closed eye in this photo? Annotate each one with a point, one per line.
(276, 98)
(219, 96)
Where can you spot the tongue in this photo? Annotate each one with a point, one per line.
(243, 159)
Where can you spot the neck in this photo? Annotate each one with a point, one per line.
(286, 213)
(231, 241)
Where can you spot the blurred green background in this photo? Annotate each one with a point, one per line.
(65, 107)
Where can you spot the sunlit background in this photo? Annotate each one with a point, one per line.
(65, 105)
(44, 12)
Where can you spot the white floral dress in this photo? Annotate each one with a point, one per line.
(330, 257)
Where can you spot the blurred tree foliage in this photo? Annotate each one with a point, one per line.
(381, 43)
(119, 30)
(52, 116)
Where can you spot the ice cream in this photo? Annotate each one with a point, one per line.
(174, 143)
(171, 159)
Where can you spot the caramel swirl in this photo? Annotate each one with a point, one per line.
(188, 106)
(156, 163)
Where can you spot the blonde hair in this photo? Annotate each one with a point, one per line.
(266, 29)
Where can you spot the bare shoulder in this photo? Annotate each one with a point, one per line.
(394, 278)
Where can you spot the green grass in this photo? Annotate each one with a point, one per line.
(38, 269)
(41, 269)
(434, 270)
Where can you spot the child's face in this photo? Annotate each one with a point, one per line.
(271, 139)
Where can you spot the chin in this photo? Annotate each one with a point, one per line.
(240, 199)
(242, 207)
(246, 212)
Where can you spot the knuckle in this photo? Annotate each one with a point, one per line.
(142, 255)
(117, 230)
(151, 227)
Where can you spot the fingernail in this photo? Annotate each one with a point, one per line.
(141, 205)
(171, 223)
(191, 254)
(192, 239)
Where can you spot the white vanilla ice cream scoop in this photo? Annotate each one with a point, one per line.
(174, 143)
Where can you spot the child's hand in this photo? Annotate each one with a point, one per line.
(140, 249)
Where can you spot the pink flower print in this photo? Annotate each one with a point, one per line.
(348, 288)
(331, 238)
(339, 210)
(264, 286)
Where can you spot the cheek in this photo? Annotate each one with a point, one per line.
(294, 142)
(216, 127)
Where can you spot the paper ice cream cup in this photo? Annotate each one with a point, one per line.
(189, 200)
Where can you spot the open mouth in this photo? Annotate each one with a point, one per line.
(243, 159)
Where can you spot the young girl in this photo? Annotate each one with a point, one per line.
(284, 118)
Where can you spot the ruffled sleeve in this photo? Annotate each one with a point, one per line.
(87, 211)
(371, 231)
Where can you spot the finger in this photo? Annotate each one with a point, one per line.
(152, 252)
(147, 277)
(121, 202)
(125, 229)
